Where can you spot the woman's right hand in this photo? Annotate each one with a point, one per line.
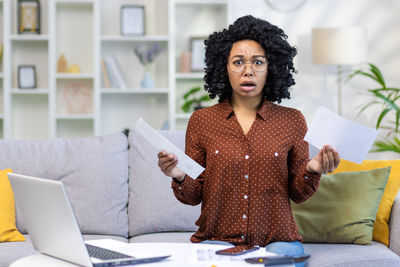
(167, 163)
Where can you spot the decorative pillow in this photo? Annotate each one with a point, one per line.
(152, 204)
(8, 230)
(380, 231)
(343, 210)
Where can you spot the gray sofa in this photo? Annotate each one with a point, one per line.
(117, 191)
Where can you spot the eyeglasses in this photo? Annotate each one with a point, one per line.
(258, 64)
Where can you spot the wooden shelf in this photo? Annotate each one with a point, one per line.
(121, 38)
(201, 2)
(119, 91)
(74, 76)
(29, 37)
(30, 91)
(189, 75)
(75, 117)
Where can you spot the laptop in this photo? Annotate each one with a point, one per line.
(53, 228)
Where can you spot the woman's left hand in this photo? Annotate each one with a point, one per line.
(326, 161)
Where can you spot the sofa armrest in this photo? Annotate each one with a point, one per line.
(394, 226)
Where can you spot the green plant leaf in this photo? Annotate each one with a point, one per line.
(387, 101)
(381, 116)
(1, 52)
(397, 121)
(186, 106)
(387, 89)
(378, 75)
(191, 91)
(387, 145)
(360, 72)
(397, 141)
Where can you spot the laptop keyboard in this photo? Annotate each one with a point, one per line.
(105, 254)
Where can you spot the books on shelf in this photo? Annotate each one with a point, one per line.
(106, 78)
(112, 74)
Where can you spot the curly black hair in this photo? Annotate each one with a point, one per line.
(278, 51)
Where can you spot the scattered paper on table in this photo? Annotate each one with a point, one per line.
(207, 255)
(185, 163)
(352, 140)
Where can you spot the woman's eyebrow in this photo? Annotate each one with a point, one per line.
(242, 56)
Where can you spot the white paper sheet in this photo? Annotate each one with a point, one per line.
(185, 163)
(207, 255)
(352, 140)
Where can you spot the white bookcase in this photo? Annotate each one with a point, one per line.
(191, 18)
(85, 32)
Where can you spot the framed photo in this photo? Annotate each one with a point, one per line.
(197, 48)
(26, 76)
(132, 20)
(28, 16)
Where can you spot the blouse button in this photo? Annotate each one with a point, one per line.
(276, 154)
(180, 188)
(246, 157)
(306, 177)
(242, 237)
(216, 151)
(246, 176)
(244, 216)
(245, 196)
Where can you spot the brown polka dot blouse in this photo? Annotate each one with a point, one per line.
(248, 180)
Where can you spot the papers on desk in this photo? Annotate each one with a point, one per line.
(352, 140)
(185, 163)
(206, 255)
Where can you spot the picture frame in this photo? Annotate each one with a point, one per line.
(198, 55)
(26, 76)
(132, 20)
(28, 16)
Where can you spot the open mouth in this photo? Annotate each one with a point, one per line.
(248, 85)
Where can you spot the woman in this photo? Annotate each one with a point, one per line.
(253, 150)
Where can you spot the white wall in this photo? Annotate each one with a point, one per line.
(317, 85)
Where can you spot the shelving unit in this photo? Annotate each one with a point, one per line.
(192, 18)
(51, 111)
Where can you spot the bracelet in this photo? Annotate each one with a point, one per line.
(179, 182)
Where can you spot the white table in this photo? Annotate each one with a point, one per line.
(182, 255)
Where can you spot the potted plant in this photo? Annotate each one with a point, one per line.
(192, 98)
(388, 99)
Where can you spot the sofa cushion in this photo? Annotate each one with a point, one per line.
(395, 226)
(165, 237)
(8, 229)
(11, 251)
(381, 226)
(343, 209)
(350, 255)
(152, 204)
(94, 172)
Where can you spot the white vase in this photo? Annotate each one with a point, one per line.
(147, 81)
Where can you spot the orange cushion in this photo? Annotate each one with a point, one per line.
(8, 229)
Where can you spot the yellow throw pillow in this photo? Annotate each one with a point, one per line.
(380, 230)
(8, 229)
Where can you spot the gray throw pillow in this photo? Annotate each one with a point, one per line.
(152, 204)
(94, 172)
